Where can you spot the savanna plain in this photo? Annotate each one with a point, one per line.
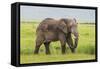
(84, 51)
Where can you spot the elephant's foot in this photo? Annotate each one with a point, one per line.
(73, 50)
(48, 53)
(63, 49)
(36, 52)
(63, 52)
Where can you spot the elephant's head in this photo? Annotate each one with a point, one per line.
(71, 27)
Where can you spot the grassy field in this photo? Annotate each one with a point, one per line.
(85, 50)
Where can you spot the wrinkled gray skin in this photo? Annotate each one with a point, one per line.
(50, 30)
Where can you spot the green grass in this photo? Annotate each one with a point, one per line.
(31, 58)
(84, 51)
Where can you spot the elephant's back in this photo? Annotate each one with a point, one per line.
(47, 24)
(47, 21)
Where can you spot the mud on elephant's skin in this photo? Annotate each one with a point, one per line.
(50, 30)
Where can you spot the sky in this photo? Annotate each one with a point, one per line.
(29, 13)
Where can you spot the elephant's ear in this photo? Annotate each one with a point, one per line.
(75, 20)
(62, 26)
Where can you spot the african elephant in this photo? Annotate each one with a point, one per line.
(53, 30)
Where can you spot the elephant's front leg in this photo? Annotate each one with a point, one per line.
(63, 47)
(63, 43)
(47, 49)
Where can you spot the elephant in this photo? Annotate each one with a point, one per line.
(50, 30)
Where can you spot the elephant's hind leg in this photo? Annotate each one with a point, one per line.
(38, 44)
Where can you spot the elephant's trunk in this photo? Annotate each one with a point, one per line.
(76, 40)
